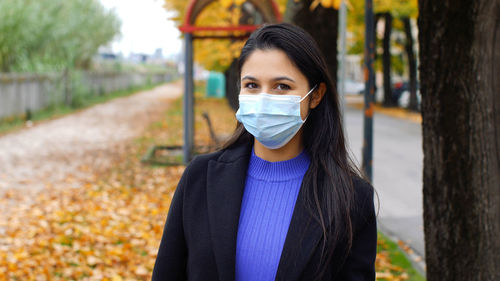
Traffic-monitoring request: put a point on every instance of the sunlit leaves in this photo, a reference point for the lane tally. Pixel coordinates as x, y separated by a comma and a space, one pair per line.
215, 54
228, 3
356, 19
106, 229
326, 4
398, 8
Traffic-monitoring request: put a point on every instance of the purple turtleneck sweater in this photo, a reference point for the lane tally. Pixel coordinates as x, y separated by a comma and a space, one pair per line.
269, 198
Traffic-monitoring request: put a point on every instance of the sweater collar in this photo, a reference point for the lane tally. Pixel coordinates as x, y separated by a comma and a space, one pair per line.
278, 171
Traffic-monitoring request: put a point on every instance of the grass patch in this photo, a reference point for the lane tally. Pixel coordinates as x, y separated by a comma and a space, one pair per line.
10, 124
392, 263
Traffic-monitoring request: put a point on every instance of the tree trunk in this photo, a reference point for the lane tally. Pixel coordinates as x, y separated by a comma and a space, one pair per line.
386, 61
412, 64
322, 24
460, 86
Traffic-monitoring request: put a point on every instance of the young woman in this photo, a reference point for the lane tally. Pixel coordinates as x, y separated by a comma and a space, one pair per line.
281, 200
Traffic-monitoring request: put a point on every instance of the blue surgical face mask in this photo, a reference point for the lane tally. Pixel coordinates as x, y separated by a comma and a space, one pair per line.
272, 119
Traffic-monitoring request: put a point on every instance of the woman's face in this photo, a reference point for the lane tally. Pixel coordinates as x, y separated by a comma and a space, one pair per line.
271, 71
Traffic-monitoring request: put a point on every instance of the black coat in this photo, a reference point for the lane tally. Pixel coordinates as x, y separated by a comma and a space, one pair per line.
199, 238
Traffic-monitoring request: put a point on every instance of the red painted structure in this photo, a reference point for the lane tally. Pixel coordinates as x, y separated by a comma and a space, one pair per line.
268, 8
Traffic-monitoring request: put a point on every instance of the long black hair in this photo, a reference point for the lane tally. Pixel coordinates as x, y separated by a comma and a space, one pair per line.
329, 179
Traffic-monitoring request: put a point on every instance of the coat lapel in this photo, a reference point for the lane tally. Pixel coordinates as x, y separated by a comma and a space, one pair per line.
303, 236
225, 184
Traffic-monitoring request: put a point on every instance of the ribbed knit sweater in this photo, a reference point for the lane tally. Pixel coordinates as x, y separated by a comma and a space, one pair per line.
269, 198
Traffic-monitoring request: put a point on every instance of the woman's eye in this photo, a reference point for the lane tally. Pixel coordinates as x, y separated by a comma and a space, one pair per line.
283, 87
250, 85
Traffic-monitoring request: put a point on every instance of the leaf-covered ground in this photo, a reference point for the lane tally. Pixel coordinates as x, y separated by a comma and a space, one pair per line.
110, 228
392, 264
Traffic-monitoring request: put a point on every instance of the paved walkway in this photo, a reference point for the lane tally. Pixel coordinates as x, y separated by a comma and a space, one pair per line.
70, 148
397, 173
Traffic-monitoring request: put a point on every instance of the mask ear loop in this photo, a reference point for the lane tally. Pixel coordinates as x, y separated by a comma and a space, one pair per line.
304, 98
308, 93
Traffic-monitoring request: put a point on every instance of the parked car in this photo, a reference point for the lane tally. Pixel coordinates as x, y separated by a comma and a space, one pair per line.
399, 88
401, 93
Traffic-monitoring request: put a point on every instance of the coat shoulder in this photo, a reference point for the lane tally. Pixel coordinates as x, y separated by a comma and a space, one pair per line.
362, 188
364, 207
200, 162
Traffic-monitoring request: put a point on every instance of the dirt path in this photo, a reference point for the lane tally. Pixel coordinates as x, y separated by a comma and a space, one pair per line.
70, 149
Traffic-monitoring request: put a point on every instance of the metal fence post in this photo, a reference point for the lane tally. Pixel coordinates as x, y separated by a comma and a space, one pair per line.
188, 102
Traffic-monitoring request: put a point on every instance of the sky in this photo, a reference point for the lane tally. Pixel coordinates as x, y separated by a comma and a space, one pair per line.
145, 27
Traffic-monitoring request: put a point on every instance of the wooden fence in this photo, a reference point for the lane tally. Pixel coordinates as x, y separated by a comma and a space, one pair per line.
20, 93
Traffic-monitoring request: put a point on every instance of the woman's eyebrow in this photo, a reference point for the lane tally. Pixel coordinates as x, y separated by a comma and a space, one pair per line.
249, 78
284, 78
274, 79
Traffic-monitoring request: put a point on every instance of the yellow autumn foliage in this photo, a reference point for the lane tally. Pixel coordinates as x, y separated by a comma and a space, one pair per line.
215, 54
326, 4
356, 19
398, 8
